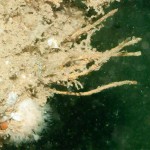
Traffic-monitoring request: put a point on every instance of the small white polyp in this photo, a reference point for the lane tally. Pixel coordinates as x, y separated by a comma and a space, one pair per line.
52, 43
7, 62
12, 98
16, 116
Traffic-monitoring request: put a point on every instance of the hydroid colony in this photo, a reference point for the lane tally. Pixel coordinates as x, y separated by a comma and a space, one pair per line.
42, 46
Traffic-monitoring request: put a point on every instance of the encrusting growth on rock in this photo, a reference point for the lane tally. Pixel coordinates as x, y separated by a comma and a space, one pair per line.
46, 43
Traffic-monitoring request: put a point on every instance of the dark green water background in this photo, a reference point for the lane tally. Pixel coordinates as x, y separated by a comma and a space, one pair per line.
118, 118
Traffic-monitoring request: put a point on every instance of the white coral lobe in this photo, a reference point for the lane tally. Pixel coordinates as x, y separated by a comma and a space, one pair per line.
27, 122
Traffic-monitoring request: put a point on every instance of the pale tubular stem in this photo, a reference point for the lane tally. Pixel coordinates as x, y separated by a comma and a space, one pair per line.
97, 90
94, 67
91, 26
124, 44
127, 54
106, 56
